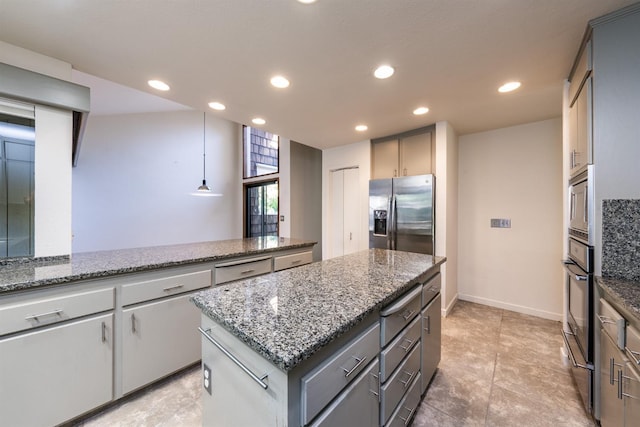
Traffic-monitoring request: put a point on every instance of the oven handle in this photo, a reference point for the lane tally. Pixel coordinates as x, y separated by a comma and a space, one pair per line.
573, 269
571, 356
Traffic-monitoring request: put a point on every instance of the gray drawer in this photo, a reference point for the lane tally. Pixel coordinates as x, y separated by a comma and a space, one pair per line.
431, 288
46, 311
407, 406
612, 322
237, 270
165, 286
393, 390
399, 314
293, 260
323, 383
391, 356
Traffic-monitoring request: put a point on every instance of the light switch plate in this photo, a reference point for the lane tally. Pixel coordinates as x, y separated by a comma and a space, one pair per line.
500, 223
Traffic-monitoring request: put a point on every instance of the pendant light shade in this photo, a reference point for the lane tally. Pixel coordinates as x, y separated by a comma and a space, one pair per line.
204, 189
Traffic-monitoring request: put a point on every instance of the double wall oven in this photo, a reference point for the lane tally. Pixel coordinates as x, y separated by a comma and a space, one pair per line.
579, 287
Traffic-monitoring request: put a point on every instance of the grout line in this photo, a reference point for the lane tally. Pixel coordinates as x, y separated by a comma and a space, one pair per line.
495, 364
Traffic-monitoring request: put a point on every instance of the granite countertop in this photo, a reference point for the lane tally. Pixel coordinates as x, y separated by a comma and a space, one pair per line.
624, 293
289, 315
90, 265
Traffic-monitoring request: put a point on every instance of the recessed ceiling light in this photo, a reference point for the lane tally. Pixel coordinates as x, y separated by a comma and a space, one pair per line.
307, 1
361, 128
157, 84
384, 72
279, 81
217, 106
258, 121
508, 87
420, 110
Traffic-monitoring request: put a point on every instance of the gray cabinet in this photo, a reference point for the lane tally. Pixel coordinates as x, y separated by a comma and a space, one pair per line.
431, 340
405, 155
580, 131
612, 363
56, 373
158, 338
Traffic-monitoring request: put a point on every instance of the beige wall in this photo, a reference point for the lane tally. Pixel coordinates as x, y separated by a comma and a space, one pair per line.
513, 173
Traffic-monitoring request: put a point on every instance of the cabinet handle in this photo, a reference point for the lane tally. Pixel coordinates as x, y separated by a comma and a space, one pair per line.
298, 261
408, 381
57, 312
360, 362
374, 392
241, 365
634, 355
408, 315
350, 236
395, 173
171, 288
603, 320
406, 420
620, 384
428, 328
573, 159
611, 364
408, 345
247, 271
405, 171
133, 323
104, 332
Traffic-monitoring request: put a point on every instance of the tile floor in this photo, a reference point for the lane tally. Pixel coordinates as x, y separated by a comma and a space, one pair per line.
498, 368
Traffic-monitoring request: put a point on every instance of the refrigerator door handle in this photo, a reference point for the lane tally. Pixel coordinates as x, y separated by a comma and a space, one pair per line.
394, 230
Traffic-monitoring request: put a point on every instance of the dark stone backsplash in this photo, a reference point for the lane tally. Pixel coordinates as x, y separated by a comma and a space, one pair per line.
621, 239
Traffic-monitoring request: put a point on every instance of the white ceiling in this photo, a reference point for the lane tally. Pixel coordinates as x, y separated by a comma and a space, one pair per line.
449, 55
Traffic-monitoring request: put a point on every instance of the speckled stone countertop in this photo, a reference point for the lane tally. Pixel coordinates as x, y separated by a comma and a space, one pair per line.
621, 239
624, 293
289, 315
90, 265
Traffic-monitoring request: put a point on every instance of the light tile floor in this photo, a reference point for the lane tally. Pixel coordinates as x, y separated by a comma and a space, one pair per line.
498, 368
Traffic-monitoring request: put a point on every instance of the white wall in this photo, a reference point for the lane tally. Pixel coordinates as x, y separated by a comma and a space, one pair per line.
52, 157
132, 184
514, 173
358, 154
446, 217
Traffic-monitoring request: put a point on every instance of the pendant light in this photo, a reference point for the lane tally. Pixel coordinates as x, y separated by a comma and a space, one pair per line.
204, 189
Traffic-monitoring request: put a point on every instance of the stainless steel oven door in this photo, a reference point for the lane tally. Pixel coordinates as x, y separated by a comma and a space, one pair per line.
580, 308
578, 207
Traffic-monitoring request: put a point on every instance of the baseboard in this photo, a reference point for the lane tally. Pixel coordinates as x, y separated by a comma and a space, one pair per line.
446, 310
512, 307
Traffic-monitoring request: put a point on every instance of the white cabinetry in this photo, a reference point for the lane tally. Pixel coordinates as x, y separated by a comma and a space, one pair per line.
344, 212
402, 156
49, 374
580, 113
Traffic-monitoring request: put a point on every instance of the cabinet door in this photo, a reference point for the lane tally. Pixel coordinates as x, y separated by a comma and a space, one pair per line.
431, 340
385, 159
158, 339
611, 406
415, 155
52, 375
357, 405
581, 152
351, 210
631, 396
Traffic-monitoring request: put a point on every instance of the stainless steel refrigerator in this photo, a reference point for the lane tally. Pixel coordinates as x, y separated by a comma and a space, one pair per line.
401, 213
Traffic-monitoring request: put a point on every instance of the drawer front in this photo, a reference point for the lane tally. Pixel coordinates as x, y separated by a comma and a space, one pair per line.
408, 406
632, 346
165, 286
393, 390
322, 384
357, 405
391, 357
612, 323
242, 269
431, 288
293, 260
46, 311
399, 314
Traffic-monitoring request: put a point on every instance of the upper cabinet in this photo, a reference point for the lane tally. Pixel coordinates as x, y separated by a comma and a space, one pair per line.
580, 112
404, 154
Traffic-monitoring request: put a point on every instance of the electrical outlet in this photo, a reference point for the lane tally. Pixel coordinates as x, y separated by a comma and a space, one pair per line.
206, 378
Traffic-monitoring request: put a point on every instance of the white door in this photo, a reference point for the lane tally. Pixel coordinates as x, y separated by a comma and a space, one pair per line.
344, 220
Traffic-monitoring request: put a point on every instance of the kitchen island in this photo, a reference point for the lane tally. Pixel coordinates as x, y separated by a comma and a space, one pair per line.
98, 326
291, 347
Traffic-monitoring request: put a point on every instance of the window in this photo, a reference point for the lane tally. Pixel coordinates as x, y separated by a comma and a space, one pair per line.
17, 146
260, 152
261, 207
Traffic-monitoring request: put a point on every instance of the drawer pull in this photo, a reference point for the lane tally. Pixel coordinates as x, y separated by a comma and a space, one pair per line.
104, 332
298, 261
408, 346
428, 328
604, 320
374, 392
411, 411
359, 362
241, 365
635, 355
408, 381
620, 384
133, 323
171, 288
247, 271
50, 313
408, 315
